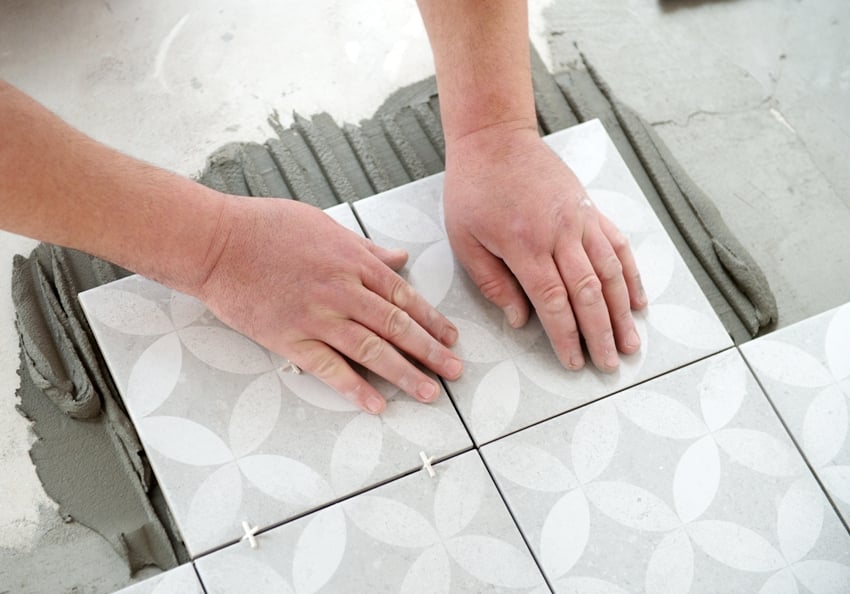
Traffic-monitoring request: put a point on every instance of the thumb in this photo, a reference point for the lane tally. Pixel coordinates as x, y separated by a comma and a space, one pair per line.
496, 282
395, 258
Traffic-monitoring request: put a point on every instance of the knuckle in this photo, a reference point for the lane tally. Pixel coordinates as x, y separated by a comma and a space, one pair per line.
492, 288
554, 298
397, 323
369, 349
401, 293
619, 242
324, 363
611, 269
589, 290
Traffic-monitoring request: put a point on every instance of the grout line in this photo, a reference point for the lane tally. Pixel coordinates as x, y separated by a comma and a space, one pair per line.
198, 575
794, 440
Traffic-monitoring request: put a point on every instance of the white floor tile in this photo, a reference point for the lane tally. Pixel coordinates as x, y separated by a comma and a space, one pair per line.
180, 580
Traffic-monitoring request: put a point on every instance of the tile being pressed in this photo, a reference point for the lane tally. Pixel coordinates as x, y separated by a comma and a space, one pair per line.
688, 483
180, 580
450, 533
805, 370
233, 437
512, 377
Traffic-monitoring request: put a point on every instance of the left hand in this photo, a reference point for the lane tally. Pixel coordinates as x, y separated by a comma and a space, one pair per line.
522, 225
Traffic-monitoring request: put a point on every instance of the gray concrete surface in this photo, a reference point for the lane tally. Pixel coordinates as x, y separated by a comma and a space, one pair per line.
753, 96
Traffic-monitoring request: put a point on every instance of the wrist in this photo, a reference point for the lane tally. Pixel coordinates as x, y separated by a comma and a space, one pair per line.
493, 144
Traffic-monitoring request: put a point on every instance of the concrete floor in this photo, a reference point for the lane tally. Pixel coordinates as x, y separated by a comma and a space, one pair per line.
753, 96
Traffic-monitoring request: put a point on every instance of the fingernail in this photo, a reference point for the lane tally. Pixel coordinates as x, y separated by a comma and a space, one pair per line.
576, 361
633, 341
642, 295
427, 391
450, 336
454, 367
374, 404
612, 361
512, 315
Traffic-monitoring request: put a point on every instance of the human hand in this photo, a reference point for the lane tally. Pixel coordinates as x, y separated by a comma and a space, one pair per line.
521, 223
298, 283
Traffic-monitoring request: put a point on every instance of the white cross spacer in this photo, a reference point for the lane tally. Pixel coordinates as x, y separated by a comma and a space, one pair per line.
250, 534
426, 464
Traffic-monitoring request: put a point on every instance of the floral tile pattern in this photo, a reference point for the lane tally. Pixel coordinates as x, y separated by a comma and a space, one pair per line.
450, 533
180, 580
805, 370
512, 377
230, 435
688, 483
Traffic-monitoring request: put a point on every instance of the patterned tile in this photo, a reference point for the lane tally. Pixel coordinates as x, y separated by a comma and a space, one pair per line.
512, 377
688, 483
229, 435
180, 580
805, 370
451, 533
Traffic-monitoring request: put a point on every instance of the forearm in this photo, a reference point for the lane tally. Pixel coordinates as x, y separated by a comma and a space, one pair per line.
60, 186
481, 55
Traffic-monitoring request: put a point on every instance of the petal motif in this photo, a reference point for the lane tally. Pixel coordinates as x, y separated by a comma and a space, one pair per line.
632, 506
240, 572
660, 414
180, 580
185, 309
391, 522
688, 327
154, 375
787, 364
495, 401
126, 312
183, 440
799, 519
625, 212
356, 453
586, 585
837, 343
696, 479
478, 344
314, 392
781, 582
255, 414
431, 573
432, 272
760, 451
319, 550
285, 479
426, 426
459, 493
722, 390
837, 481
403, 222
585, 153
565, 533
214, 507
529, 466
825, 426
656, 262
494, 561
736, 546
595, 440
671, 568
226, 349
823, 576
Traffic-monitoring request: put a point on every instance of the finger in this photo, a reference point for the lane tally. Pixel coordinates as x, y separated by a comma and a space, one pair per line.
398, 328
495, 281
545, 288
609, 271
373, 352
327, 365
394, 258
591, 312
637, 296
397, 291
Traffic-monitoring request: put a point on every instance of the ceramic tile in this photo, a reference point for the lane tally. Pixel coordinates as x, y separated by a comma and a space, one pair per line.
180, 580
450, 533
687, 483
231, 436
512, 377
805, 370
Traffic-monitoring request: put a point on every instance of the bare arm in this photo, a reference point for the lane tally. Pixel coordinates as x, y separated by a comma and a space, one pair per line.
279, 271
517, 217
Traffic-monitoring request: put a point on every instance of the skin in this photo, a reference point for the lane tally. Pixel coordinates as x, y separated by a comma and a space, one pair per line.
517, 218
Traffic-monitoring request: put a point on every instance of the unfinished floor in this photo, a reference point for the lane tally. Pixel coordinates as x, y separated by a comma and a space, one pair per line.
753, 96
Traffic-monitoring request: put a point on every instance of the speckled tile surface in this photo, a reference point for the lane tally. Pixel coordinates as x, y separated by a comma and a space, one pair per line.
229, 435
180, 580
512, 377
687, 483
450, 533
805, 370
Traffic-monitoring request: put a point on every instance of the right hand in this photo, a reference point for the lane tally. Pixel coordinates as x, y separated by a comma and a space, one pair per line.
292, 279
